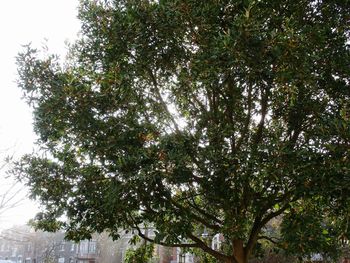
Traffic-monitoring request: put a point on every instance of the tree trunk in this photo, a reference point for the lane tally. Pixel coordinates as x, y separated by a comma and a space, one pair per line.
239, 252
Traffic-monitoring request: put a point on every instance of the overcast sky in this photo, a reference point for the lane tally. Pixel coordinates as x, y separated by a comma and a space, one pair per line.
50, 22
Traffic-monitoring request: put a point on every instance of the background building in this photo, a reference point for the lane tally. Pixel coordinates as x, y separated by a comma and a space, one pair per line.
24, 245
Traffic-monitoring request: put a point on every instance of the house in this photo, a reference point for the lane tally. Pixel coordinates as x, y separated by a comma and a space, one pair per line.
24, 245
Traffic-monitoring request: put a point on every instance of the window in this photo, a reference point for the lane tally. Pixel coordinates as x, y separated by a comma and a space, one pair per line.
14, 252
92, 247
29, 248
182, 258
87, 246
83, 247
216, 242
61, 260
62, 246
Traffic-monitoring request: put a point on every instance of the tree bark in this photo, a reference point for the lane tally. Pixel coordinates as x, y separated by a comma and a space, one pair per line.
238, 251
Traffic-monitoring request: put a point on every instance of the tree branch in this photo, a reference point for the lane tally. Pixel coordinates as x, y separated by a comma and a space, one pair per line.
264, 104
253, 235
134, 225
260, 222
274, 214
269, 239
201, 244
247, 121
205, 213
196, 217
143, 236
160, 98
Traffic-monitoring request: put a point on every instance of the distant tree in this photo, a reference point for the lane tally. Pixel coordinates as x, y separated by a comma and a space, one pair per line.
111, 251
22, 240
11, 192
193, 117
10, 196
45, 246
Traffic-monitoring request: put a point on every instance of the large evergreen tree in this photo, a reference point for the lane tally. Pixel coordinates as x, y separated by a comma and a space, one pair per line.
194, 117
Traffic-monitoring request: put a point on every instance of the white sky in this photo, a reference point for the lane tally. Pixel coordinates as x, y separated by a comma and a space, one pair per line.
22, 22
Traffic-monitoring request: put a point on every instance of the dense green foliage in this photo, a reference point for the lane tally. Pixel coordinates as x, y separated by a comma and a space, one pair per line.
195, 115
141, 254
315, 230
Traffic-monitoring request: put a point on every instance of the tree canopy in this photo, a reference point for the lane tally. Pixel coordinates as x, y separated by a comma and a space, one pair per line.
195, 117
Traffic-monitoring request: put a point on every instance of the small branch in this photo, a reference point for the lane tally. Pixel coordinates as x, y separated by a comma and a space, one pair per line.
196, 217
160, 98
264, 103
274, 214
247, 121
198, 209
203, 109
269, 239
9, 200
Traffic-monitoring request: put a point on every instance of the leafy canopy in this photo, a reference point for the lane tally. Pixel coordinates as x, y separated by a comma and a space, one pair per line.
193, 117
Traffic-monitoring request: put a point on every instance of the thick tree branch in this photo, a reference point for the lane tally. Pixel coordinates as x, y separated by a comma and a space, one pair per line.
201, 244
134, 225
260, 222
274, 214
183, 245
253, 235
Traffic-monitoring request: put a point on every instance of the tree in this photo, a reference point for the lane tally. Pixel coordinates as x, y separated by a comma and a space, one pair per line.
110, 251
10, 190
22, 242
192, 117
10, 196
